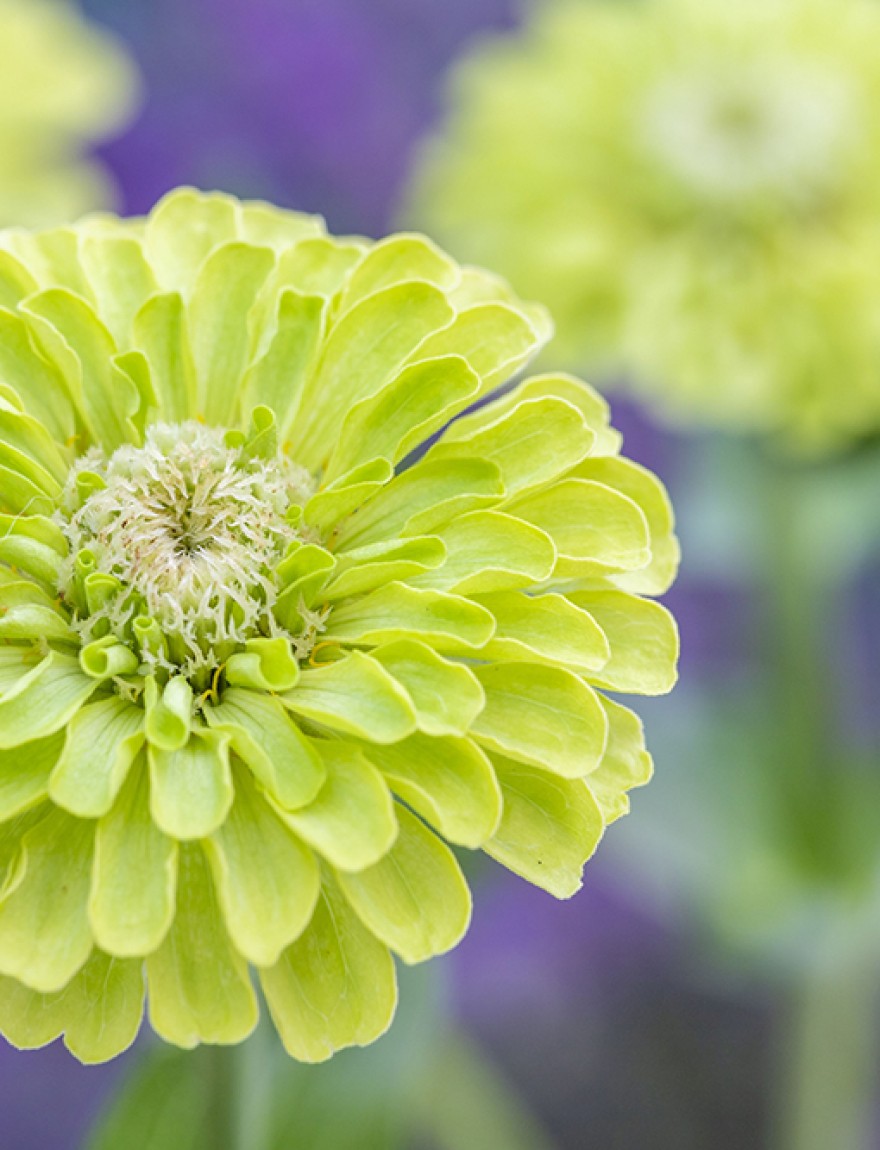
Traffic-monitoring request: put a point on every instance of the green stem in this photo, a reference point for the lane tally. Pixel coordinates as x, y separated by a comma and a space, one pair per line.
828, 1057
830, 1053
220, 1078
257, 1080
797, 633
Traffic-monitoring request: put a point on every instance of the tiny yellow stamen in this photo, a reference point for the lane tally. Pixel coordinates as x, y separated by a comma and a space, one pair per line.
313, 662
213, 692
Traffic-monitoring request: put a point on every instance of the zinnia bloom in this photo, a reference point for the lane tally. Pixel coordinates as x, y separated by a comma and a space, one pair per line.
692, 187
64, 84
256, 663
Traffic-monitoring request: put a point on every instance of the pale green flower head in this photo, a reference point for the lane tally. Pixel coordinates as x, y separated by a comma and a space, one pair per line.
260, 659
693, 187
64, 85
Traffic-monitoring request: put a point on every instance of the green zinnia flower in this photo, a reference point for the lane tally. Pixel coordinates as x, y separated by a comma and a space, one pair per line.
691, 185
252, 657
64, 84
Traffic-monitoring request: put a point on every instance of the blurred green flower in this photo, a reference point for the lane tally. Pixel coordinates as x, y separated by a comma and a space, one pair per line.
64, 84
244, 653
692, 187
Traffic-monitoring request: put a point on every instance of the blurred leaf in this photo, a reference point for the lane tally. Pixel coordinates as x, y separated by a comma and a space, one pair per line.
721, 498
463, 1103
838, 520
422, 1081
360, 1099
161, 1106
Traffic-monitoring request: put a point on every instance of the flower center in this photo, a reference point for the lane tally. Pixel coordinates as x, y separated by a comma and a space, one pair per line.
777, 128
185, 532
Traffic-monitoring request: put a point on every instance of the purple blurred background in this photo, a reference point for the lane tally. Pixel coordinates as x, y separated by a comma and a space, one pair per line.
612, 1014
313, 104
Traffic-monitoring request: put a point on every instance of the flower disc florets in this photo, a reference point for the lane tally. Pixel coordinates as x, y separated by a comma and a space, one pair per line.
699, 207
284, 609
182, 536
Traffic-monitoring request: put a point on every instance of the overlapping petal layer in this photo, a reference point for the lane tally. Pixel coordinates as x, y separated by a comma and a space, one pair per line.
257, 659
691, 186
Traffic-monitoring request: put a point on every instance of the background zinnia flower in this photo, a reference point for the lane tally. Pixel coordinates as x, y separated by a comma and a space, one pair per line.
64, 85
252, 656
691, 186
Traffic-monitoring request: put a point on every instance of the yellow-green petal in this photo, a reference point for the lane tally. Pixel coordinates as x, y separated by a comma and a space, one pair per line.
404, 413
30, 437
541, 715
415, 899
15, 664
32, 544
495, 338
550, 826
99, 1011
36, 382
265, 664
421, 499
182, 230
120, 279
597, 531
169, 714
20, 494
24, 774
107, 658
132, 899
625, 764
593, 408
262, 735
109, 997
44, 700
317, 265
447, 696
448, 781
490, 551
346, 494
363, 351
34, 621
102, 741
191, 788
267, 882
161, 332
643, 640
396, 259
444, 621
352, 821
72, 336
355, 695
531, 444
649, 493
277, 378
544, 629
44, 929
368, 568
199, 989
225, 291
335, 987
